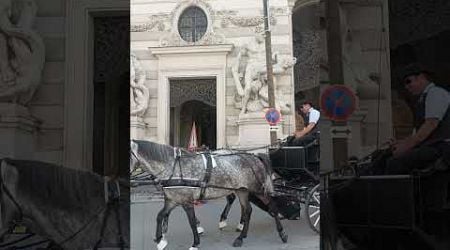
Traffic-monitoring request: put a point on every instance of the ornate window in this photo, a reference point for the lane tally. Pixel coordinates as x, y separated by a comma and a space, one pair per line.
192, 24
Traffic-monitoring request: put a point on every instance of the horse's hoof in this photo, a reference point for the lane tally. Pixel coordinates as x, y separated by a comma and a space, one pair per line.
237, 242
162, 244
193, 248
200, 230
222, 224
240, 227
283, 237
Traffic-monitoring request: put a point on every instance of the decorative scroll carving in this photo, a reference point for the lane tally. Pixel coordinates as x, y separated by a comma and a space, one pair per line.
256, 21
160, 22
22, 52
173, 39
139, 93
249, 74
201, 90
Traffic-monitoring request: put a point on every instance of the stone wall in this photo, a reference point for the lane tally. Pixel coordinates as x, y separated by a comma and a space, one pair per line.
48, 102
233, 22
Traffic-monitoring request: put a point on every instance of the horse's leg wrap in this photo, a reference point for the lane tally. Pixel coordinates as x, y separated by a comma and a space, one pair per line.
162, 244
240, 227
222, 224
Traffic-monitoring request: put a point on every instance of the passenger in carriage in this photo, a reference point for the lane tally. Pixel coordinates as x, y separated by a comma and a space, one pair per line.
432, 124
310, 131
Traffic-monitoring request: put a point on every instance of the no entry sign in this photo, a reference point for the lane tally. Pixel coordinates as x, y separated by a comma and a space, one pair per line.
338, 102
273, 116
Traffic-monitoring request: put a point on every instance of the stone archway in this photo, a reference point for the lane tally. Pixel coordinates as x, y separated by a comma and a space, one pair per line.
204, 116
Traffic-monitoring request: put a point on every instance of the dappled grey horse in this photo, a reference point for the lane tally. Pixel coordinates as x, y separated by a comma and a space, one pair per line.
67, 207
187, 177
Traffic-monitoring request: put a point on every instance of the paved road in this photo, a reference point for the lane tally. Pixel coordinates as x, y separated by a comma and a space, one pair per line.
262, 233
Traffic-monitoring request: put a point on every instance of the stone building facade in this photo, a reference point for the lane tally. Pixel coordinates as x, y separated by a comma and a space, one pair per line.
214, 70
173, 78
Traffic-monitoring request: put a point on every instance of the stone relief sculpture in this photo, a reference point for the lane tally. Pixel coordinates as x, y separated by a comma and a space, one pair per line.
22, 51
249, 74
139, 93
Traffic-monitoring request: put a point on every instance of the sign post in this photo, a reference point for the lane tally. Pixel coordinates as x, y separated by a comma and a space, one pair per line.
268, 45
273, 117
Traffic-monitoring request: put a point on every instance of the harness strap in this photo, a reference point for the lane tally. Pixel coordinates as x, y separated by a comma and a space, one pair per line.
204, 183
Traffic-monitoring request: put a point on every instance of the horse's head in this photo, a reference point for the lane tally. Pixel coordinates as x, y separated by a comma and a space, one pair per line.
153, 157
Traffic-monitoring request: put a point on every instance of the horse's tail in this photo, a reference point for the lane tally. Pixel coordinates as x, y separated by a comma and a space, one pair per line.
268, 184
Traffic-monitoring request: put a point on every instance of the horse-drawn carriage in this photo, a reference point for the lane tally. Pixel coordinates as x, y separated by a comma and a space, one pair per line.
366, 211
187, 177
298, 181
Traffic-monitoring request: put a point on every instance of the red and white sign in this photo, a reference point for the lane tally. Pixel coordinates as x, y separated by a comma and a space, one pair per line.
273, 116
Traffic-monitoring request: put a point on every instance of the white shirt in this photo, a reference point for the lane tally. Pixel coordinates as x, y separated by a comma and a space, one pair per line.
314, 115
437, 101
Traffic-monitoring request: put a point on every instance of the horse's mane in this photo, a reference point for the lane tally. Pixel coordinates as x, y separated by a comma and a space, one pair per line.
58, 187
158, 152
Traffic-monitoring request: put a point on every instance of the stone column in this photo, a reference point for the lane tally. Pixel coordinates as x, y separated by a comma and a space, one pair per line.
17, 130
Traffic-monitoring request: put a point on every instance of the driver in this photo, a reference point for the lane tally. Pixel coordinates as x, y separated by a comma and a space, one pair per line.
310, 131
432, 124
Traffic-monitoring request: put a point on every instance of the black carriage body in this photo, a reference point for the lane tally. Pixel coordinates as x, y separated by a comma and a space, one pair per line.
293, 162
413, 205
298, 170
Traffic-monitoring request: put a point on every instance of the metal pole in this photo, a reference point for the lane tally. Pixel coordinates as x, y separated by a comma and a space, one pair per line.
268, 45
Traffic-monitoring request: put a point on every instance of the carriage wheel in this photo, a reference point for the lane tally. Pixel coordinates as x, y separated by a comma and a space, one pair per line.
312, 210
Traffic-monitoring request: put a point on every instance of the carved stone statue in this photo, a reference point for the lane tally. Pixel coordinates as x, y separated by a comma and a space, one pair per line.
139, 93
249, 74
22, 52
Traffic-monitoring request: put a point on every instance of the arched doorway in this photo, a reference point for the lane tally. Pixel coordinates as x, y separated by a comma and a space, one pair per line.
193, 100
204, 116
